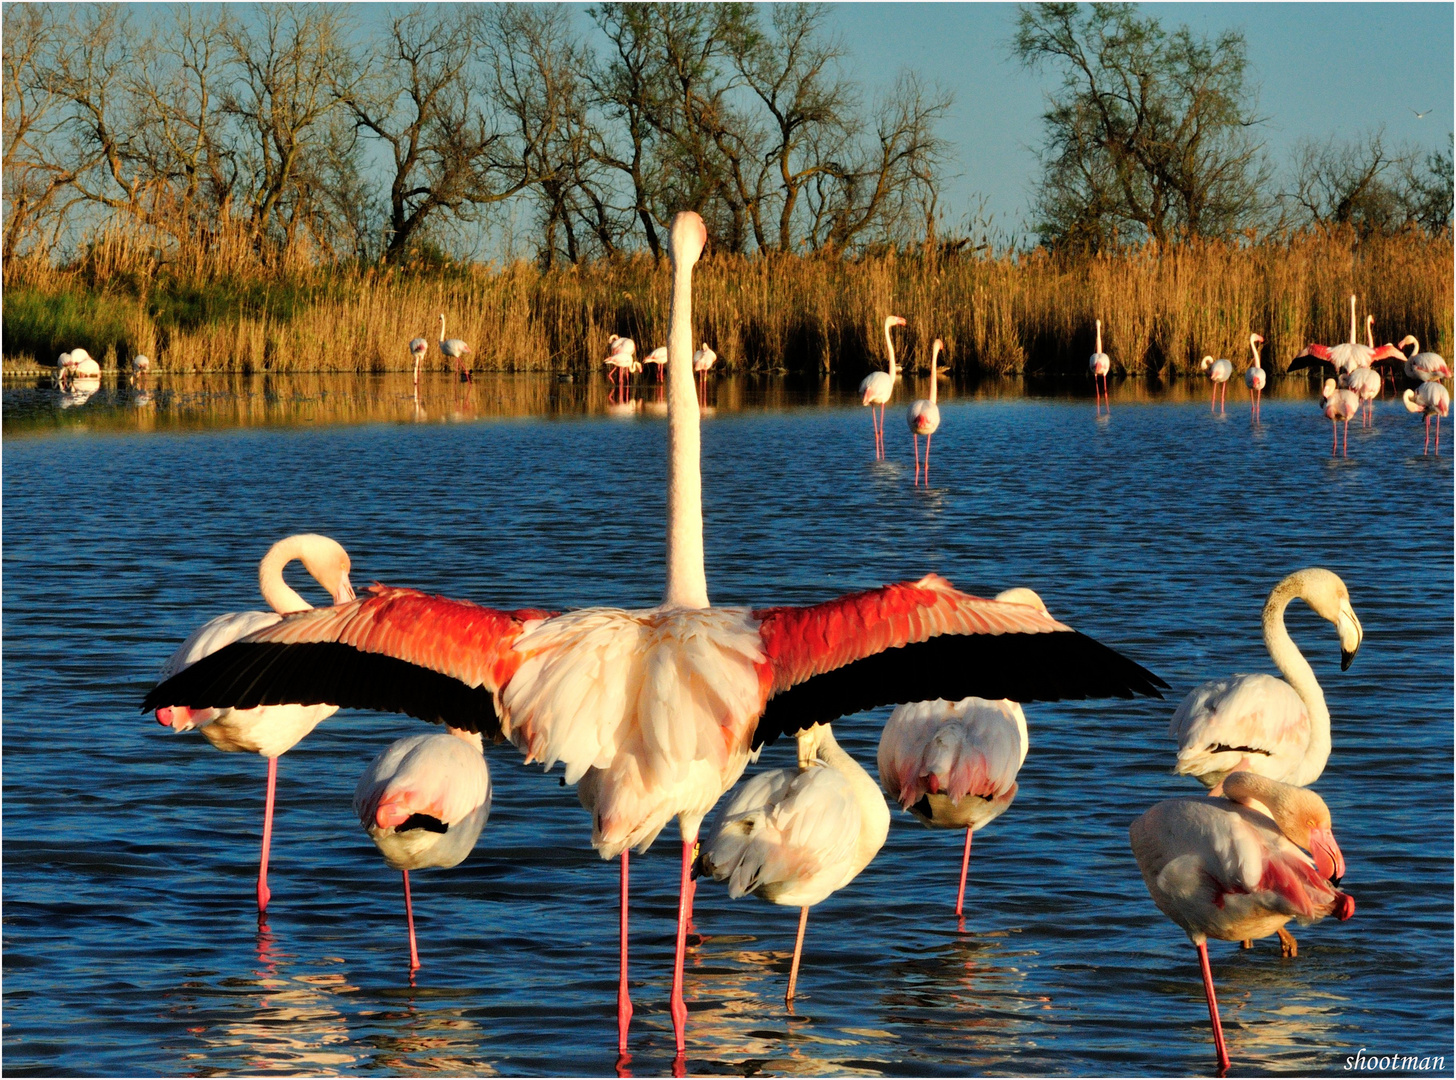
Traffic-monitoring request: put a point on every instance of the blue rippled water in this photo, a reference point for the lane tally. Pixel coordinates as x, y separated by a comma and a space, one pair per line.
130, 937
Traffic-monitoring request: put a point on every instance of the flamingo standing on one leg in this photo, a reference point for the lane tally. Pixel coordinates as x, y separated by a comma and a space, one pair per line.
793, 836
1255, 378
1339, 405
1219, 373
455, 349
923, 416
1099, 364
656, 712
879, 386
269, 730
1233, 868
418, 347
1433, 399
954, 764
423, 801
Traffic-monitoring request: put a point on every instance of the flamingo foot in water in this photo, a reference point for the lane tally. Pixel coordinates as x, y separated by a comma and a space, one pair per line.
676, 1005
624, 996
798, 952
1288, 947
965, 865
409, 914
1218, 1043
264, 893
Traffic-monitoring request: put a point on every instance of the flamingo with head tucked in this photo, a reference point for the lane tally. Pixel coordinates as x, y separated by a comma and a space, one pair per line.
418, 347
1099, 364
423, 801
1339, 405
923, 416
953, 765
270, 730
455, 349
879, 386
655, 713
794, 836
1254, 377
1219, 374
1432, 399
1232, 868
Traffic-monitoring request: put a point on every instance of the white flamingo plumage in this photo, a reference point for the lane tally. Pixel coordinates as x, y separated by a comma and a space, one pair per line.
423, 801
923, 416
1423, 366
1232, 868
1348, 355
1365, 383
1279, 728
656, 712
794, 836
1099, 364
455, 349
418, 347
141, 364
703, 361
1254, 377
1432, 399
1219, 374
1339, 405
622, 359
878, 387
268, 730
657, 357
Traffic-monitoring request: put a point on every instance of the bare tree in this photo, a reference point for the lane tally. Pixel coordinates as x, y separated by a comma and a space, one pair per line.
1149, 135
1368, 184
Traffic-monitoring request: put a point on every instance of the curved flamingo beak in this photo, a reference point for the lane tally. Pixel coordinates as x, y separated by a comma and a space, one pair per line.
165, 713
1344, 906
346, 591
1327, 858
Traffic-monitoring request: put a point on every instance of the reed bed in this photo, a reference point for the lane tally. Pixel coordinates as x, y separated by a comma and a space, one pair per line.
222, 308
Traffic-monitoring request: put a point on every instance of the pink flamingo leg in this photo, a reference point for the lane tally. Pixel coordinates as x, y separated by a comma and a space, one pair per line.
798, 952
1334, 437
927, 457
1223, 1058
409, 914
263, 892
916, 439
965, 865
624, 996
1213, 399
676, 1005
1438, 434
1346, 445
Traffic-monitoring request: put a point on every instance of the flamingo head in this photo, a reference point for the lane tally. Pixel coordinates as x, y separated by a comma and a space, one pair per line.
1256, 339
1023, 596
687, 236
1205, 363
1411, 340
1326, 853
894, 320
181, 718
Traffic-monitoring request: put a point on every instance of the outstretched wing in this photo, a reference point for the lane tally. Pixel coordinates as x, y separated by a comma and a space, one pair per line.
920, 640
395, 650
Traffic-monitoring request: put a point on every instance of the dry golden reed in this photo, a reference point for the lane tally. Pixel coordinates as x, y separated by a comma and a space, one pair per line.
217, 306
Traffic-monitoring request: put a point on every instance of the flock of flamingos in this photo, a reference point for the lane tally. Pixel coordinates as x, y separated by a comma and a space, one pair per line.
655, 714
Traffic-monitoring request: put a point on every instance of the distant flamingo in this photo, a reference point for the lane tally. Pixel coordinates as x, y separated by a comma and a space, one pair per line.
879, 386
1232, 868
622, 358
418, 348
423, 801
954, 764
703, 361
1424, 366
1276, 728
273, 729
1099, 364
1219, 373
1365, 383
657, 356
793, 836
455, 349
656, 712
140, 365
1254, 377
1339, 405
924, 416
1434, 400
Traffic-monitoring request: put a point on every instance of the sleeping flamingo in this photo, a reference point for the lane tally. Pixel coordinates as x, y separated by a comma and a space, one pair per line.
423, 801
1432, 399
1232, 868
1219, 373
418, 347
879, 386
924, 416
1254, 377
1339, 405
954, 764
275, 728
1099, 364
455, 349
656, 712
1276, 728
793, 836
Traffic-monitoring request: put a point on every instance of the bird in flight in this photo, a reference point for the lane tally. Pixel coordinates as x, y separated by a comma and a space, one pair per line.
1418, 114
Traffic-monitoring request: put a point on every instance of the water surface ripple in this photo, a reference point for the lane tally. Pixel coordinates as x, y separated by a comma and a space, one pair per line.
130, 939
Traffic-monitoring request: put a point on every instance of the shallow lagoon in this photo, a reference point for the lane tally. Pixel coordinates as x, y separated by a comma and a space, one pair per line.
131, 942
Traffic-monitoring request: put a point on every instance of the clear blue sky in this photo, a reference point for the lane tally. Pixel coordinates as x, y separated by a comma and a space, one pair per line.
1321, 70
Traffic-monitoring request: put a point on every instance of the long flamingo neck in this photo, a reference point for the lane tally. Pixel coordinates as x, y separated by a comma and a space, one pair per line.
1099, 336
1254, 348
687, 580
934, 356
279, 595
1295, 668
1370, 330
890, 349
442, 328
1352, 321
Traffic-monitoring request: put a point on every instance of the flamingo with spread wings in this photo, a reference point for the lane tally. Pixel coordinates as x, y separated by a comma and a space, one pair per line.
656, 712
